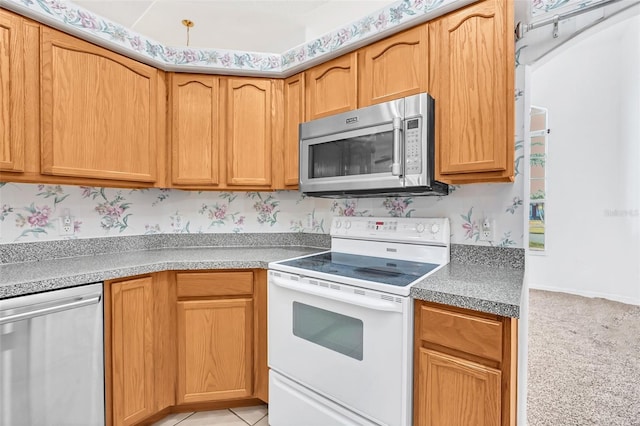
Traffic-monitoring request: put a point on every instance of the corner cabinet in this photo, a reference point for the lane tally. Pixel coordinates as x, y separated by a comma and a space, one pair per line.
464, 367
101, 113
472, 80
12, 111
332, 87
195, 130
394, 67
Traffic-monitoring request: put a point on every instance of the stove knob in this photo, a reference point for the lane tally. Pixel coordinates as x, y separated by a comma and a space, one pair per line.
347, 224
420, 228
338, 224
435, 228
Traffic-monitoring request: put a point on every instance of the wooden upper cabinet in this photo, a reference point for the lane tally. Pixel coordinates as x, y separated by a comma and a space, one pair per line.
195, 140
293, 116
215, 349
99, 112
249, 139
331, 87
132, 355
394, 67
457, 391
12, 146
472, 81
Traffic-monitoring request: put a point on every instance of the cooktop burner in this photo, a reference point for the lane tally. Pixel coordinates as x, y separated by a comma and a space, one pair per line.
394, 272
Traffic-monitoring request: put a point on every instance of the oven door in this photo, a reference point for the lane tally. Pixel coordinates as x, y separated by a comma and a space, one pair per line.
350, 345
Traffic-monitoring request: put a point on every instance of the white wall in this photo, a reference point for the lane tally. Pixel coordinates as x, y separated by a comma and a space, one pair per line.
591, 87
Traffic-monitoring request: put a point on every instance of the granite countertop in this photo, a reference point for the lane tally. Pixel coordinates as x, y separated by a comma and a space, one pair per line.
478, 287
32, 277
486, 279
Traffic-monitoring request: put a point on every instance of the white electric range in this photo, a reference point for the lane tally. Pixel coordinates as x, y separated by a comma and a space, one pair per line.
341, 323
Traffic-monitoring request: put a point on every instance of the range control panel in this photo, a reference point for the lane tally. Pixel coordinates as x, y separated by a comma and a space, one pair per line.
399, 229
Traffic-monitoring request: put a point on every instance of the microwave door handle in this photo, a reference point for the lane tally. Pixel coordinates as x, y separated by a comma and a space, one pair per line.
397, 135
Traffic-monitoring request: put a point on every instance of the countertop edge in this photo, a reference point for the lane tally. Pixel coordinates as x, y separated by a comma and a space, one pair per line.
473, 303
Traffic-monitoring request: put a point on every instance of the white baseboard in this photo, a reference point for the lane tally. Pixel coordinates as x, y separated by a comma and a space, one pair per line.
609, 296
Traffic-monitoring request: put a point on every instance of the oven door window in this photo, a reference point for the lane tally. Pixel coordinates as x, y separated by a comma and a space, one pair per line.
337, 332
359, 155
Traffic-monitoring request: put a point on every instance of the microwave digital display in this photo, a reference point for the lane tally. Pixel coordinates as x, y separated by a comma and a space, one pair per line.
413, 124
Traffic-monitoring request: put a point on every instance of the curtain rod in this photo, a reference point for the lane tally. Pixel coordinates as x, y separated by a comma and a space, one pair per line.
521, 28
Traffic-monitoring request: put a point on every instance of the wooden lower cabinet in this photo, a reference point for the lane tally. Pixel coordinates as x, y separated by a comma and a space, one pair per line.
215, 349
464, 367
132, 357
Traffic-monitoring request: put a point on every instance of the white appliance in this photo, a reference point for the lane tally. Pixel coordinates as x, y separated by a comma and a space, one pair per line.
341, 323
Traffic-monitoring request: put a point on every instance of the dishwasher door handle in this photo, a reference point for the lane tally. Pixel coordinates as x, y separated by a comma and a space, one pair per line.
51, 309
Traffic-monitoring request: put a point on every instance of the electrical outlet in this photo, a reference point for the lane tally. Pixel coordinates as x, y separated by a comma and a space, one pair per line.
65, 228
487, 229
309, 220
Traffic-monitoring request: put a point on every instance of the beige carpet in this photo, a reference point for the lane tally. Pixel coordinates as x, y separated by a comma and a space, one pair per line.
584, 361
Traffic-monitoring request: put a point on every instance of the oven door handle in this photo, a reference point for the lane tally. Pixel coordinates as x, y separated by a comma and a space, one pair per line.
339, 296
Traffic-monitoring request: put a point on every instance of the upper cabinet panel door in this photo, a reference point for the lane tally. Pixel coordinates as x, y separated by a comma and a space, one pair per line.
11, 93
472, 58
249, 139
331, 87
394, 67
294, 115
195, 142
99, 112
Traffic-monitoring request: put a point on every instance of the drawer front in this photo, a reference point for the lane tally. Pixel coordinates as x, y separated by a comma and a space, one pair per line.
467, 333
203, 284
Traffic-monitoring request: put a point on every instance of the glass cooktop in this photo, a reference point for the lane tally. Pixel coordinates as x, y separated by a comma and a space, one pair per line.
399, 273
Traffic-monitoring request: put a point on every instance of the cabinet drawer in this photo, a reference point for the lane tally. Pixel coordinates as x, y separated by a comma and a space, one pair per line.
467, 333
202, 284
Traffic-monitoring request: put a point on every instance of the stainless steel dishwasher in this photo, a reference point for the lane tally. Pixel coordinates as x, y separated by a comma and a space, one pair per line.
51, 358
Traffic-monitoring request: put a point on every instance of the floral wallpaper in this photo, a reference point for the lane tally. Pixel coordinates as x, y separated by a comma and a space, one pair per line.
33, 212
555, 7
67, 14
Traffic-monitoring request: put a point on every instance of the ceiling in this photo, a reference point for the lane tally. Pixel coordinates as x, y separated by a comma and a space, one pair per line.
256, 25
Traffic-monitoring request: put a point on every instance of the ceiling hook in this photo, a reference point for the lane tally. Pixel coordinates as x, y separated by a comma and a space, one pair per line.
556, 19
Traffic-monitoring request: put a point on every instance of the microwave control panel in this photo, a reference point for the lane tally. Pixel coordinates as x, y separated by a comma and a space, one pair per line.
413, 146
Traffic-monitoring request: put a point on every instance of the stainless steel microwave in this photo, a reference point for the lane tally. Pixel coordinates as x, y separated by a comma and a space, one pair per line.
381, 150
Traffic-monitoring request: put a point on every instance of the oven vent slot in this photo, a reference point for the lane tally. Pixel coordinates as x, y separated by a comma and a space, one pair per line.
314, 282
321, 284
360, 292
294, 278
275, 274
335, 287
386, 297
398, 300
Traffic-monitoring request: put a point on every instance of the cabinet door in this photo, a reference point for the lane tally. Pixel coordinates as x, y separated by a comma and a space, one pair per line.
99, 112
294, 115
195, 142
331, 87
215, 350
456, 392
394, 67
249, 138
472, 76
11, 93
132, 350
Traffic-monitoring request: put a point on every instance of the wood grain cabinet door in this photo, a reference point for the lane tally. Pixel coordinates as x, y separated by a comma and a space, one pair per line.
457, 392
394, 67
195, 141
132, 350
471, 79
12, 118
249, 138
294, 115
331, 87
99, 112
215, 350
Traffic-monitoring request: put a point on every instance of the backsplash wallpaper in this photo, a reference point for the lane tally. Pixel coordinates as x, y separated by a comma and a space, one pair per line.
33, 212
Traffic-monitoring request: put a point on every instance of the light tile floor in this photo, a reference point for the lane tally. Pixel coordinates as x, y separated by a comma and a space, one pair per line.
241, 416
